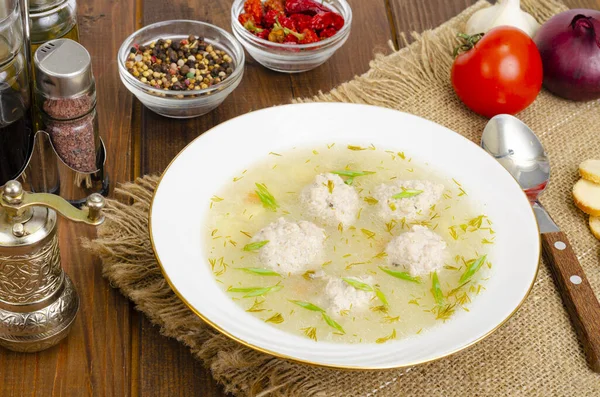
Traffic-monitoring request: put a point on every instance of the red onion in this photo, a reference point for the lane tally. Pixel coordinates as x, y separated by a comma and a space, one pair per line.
569, 44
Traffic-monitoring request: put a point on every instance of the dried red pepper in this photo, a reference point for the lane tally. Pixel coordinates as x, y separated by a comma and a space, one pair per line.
310, 36
326, 33
287, 23
254, 8
271, 17
327, 20
304, 7
275, 5
243, 18
302, 21
290, 21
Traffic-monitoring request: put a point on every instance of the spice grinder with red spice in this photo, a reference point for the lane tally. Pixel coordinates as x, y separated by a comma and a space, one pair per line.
65, 99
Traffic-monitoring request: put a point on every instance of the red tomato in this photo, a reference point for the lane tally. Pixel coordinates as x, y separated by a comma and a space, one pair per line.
502, 73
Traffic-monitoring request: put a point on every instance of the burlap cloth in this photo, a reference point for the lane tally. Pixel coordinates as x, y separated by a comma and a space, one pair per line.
535, 354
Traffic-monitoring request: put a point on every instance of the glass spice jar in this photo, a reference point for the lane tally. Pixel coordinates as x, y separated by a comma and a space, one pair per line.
52, 19
65, 94
16, 137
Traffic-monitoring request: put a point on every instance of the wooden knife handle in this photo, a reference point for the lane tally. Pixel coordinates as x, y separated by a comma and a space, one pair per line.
576, 292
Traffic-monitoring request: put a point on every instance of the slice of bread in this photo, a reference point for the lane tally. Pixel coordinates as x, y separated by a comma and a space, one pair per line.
587, 197
590, 170
595, 226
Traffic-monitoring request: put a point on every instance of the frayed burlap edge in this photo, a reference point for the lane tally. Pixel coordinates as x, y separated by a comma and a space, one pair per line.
398, 80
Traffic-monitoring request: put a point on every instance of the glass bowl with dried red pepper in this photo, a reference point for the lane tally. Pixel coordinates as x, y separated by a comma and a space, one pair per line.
291, 35
181, 68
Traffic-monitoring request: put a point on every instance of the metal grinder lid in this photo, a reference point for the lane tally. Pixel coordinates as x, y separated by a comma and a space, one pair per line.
63, 68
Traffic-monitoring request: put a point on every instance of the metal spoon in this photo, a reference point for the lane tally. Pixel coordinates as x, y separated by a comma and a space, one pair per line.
517, 148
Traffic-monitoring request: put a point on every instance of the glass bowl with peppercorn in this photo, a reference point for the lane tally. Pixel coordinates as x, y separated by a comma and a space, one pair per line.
291, 36
181, 69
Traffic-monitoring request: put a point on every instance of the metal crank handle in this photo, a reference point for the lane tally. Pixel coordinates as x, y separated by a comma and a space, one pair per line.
14, 201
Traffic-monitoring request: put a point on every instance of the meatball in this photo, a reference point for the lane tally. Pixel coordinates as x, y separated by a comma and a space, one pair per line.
330, 200
342, 296
419, 251
411, 208
293, 247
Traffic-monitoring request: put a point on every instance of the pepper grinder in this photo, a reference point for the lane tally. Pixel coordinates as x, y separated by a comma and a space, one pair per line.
38, 302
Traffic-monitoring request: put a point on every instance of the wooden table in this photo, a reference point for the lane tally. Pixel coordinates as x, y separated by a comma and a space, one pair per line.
112, 349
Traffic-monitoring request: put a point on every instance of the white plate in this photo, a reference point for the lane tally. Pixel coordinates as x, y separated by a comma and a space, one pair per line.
182, 200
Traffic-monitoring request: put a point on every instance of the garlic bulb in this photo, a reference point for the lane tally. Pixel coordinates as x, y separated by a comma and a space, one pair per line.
504, 12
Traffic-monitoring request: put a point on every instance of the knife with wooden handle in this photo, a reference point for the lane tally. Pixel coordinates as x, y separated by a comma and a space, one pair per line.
576, 291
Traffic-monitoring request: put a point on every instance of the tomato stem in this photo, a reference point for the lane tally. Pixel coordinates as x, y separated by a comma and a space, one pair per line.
469, 42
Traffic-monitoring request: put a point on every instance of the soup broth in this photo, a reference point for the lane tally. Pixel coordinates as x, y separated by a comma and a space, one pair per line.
399, 307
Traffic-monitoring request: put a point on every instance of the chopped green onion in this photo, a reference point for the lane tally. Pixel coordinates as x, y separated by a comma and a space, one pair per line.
436, 289
308, 306
332, 323
314, 308
259, 271
267, 198
351, 175
473, 267
381, 296
256, 291
401, 275
358, 284
407, 193
255, 246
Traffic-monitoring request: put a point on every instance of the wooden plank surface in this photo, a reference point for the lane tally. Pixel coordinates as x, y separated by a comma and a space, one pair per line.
112, 350
96, 357
260, 88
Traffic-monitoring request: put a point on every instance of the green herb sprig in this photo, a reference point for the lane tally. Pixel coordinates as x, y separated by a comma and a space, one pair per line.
407, 193
436, 289
401, 275
258, 271
266, 197
256, 245
351, 175
256, 291
309, 306
472, 268
359, 285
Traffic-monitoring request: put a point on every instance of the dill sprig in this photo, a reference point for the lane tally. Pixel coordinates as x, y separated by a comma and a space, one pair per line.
311, 332
387, 338
371, 200
308, 275
368, 233
256, 307
276, 318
